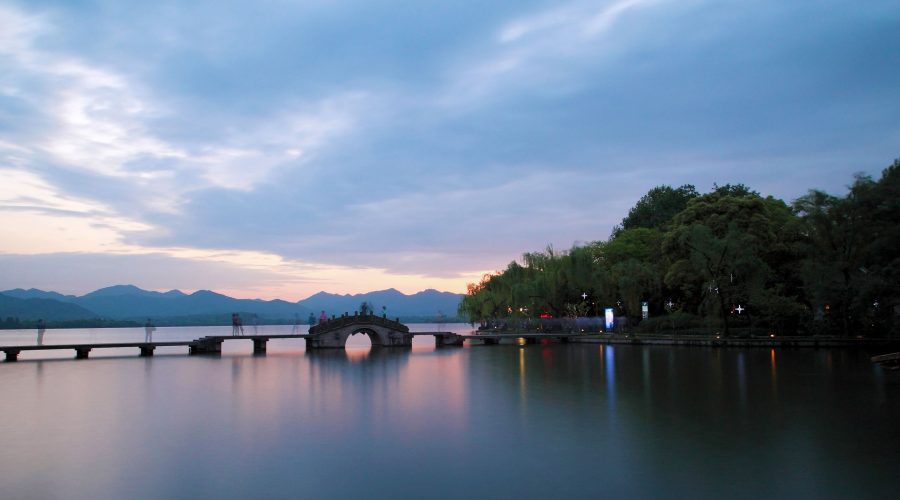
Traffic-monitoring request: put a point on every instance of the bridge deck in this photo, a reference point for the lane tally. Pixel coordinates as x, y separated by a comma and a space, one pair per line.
212, 343
49, 347
147, 348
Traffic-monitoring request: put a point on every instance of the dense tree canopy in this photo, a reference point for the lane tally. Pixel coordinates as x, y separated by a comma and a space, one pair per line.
657, 207
726, 259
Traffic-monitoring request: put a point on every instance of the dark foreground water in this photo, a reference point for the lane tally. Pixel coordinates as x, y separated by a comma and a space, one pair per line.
536, 421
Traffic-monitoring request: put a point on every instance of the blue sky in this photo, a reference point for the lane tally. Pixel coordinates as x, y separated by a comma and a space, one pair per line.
275, 149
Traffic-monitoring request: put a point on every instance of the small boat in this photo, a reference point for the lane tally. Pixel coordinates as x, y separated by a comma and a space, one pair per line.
888, 361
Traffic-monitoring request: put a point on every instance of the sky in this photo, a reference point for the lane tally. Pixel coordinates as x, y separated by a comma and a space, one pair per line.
274, 149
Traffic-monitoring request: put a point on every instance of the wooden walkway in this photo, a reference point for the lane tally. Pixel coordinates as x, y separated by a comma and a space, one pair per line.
210, 344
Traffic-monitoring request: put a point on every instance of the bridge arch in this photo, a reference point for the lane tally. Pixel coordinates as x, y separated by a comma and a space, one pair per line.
367, 332
382, 332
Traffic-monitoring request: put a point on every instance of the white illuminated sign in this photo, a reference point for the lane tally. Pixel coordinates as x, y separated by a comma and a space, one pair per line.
610, 319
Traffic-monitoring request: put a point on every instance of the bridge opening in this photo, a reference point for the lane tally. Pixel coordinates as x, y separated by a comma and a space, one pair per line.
361, 339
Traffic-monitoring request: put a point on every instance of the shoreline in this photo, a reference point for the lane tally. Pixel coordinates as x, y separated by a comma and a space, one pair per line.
711, 341
780, 342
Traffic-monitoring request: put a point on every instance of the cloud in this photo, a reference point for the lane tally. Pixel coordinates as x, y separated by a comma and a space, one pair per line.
544, 50
101, 121
324, 142
583, 19
26, 190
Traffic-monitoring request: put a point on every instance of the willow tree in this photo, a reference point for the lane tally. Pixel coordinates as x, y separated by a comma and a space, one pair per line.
632, 266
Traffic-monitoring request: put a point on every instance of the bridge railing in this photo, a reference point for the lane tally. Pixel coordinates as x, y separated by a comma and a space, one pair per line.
358, 319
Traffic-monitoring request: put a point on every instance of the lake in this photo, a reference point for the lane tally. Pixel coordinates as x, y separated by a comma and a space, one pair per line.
504, 421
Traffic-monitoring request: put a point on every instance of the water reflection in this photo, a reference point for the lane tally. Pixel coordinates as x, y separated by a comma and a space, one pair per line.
620, 421
774, 374
647, 380
742, 382
522, 377
610, 364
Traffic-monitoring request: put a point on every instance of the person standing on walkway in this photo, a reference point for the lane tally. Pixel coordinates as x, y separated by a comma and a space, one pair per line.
312, 319
148, 331
323, 318
41, 329
237, 326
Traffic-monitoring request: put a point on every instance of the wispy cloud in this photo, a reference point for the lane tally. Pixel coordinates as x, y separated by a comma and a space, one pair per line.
101, 121
542, 49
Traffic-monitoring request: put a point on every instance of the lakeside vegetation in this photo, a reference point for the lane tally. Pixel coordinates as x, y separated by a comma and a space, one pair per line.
729, 260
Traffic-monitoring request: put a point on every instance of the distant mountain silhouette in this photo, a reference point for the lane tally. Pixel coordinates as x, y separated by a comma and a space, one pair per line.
130, 302
126, 302
131, 290
34, 293
425, 303
30, 309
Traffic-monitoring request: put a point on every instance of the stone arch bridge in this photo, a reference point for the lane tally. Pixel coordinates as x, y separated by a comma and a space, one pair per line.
382, 332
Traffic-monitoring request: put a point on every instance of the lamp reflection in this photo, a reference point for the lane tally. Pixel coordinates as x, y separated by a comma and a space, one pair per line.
610, 362
774, 373
522, 374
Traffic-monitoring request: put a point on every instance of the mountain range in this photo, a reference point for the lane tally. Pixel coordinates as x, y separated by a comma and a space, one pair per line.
128, 302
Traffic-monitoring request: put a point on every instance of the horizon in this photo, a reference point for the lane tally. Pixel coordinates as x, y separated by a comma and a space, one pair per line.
275, 151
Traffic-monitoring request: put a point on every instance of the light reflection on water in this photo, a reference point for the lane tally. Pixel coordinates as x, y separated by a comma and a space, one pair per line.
502, 421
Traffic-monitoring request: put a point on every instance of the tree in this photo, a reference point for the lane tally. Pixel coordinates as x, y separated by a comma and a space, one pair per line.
725, 248
729, 246
657, 207
852, 262
633, 267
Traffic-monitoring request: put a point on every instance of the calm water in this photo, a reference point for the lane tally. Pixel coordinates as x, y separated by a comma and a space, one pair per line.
505, 421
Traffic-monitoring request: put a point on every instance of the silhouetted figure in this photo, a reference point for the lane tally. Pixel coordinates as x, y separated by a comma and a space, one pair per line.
312, 319
323, 318
364, 309
41, 327
255, 324
237, 326
148, 331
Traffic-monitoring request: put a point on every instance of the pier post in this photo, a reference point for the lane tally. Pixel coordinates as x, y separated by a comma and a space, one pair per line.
448, 339
207, 345
147, 350
82, 352
12, 355
259, 346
